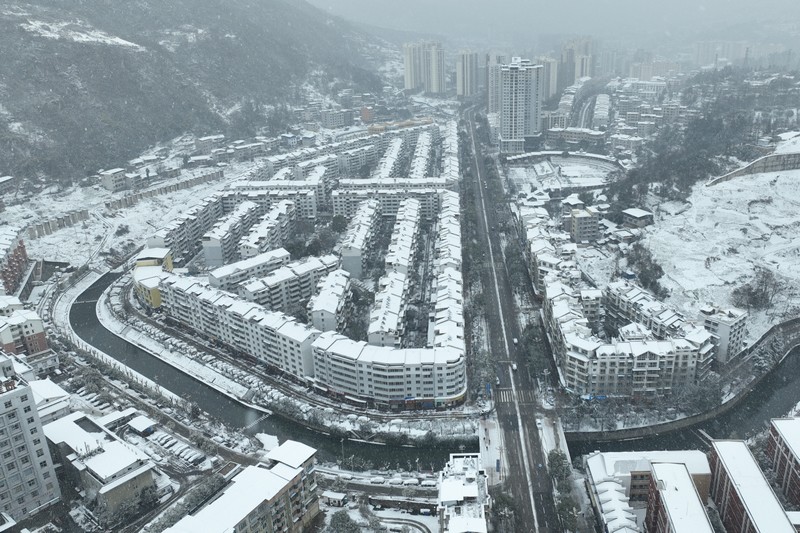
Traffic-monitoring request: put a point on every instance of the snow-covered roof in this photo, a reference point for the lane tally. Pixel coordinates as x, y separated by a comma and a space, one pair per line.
153, 253
755, 493
251, 487
292, 453
680, 499
141, 424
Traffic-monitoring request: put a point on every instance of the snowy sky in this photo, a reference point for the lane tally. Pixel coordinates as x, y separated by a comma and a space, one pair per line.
597, 17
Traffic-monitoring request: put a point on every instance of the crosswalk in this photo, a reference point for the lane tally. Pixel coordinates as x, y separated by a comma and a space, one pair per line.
507, 396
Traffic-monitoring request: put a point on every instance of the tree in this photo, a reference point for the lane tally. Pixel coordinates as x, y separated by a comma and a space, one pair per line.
338, 224
566, 512
342, 523
558, 466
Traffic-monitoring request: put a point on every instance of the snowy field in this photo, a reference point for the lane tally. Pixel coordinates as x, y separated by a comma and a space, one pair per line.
79, 244
568, 173
713, 243
790, 143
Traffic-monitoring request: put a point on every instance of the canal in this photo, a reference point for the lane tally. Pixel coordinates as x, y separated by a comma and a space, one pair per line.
773, 397
86, 324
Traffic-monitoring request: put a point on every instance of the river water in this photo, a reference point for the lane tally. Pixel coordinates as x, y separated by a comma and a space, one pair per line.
85, 323
773, 397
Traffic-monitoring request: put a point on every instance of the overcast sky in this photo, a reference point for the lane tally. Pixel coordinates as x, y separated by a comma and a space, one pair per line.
494, 18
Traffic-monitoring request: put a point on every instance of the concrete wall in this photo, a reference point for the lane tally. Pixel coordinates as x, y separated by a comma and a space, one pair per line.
133, 199
769, 163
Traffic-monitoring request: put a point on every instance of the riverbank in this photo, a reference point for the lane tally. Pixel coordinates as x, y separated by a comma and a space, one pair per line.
406, 429
786, 335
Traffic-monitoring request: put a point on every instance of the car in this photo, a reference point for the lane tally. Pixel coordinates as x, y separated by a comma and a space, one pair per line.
539, 424
514, 366
497, 381
515, 340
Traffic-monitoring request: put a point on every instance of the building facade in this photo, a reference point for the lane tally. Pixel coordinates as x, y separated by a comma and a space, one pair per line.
520, 103
467, 74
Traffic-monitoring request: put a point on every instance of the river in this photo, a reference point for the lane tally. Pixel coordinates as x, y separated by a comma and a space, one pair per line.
86, 324
773, 397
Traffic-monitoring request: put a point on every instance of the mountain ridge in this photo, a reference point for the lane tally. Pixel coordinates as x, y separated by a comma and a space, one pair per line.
91, 83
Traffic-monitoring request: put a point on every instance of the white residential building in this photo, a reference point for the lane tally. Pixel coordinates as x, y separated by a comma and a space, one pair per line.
271, 232
467, 73
387, 317
327, 309
229, 277
289, 285
274, 339
464, 501
183, 235
359, 240
405, 234
28, 481
728, 326
220, 244
520, 103
422, 156
424, 67
389, 377
112, 472
279, 496
390, 164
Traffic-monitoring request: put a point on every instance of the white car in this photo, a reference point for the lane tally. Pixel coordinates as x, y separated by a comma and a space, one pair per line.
515, 341
514, 366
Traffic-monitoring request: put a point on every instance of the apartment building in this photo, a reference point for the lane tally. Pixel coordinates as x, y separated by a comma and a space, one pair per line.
625, 302
387, 318
221, 243
602, 107
573, 136
741, 493
463, 503
783, 451
327, 310
274, 339
729, 327
28, 481
446, 318
21, 330
289, 285
207, 143
619, 483
467, 74
271, 231
112, 472
390, 196
359, 240
390, 164
229, 277
421, 159
405, 234
352, 162
280, 495
520, 103
336, 118
114, 179
674, 506
584, 225
386, 377
424, 67
183, 235
13, 259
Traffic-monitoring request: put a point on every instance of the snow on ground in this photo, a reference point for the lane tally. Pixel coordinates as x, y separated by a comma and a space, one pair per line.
75, 31
561, 173
77, 243
790, 143
268, 442
598, 264
726, 231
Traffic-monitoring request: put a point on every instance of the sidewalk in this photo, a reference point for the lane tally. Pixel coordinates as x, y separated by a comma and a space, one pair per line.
492, 448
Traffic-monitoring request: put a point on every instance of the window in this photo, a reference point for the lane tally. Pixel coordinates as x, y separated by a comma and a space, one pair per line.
43, 464
7, 405
39, 453
24, 398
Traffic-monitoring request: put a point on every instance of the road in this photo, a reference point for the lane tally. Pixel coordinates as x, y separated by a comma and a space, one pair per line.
587, 110
528, 482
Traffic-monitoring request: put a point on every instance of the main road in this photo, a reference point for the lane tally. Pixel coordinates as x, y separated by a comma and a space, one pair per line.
528, 482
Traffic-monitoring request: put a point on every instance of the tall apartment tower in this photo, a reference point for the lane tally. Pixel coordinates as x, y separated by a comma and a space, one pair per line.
467, 74
549, 76
27, 477
576, 61
424, 67
520, 103
493, 65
